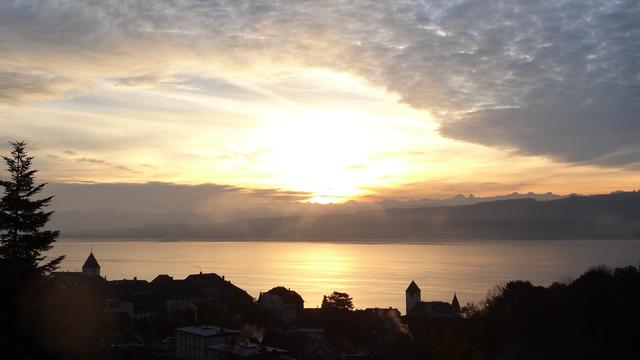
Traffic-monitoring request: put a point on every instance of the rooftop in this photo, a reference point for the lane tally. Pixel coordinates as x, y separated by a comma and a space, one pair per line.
288, 296
244, 350
162, 278
413, 287
433, 308
91, 262
177, 289
207, 330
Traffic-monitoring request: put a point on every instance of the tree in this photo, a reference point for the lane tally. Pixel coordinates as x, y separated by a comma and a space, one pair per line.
337, 300
23, 238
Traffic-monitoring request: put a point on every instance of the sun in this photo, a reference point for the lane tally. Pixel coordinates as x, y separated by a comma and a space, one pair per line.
339, 139
328, 153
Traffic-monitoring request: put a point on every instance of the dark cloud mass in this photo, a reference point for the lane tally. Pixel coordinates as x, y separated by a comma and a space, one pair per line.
557, 78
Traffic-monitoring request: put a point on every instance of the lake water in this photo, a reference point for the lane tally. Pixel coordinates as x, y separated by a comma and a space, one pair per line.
374, 274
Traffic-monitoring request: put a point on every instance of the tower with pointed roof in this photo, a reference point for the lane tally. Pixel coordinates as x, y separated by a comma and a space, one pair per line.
91, 266
455, 303
412, 295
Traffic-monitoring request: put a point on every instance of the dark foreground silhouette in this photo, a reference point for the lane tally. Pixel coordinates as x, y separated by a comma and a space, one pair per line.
595, 315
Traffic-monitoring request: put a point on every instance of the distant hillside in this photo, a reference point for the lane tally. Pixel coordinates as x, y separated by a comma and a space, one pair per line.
83, 207
579, 217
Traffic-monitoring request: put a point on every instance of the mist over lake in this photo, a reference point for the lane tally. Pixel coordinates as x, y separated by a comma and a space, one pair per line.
375, 274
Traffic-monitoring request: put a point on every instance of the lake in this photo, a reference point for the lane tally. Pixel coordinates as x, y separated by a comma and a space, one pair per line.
374, 274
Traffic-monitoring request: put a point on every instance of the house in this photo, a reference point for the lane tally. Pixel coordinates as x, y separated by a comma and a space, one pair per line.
244, 350
332, 347
178, 298
282, 304
192, 341
218, 290
381, 320
313, 343
415, 307
135, 298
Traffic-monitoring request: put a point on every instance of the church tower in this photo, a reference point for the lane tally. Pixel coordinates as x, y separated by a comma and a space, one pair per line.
455, 304
412, 295
91, 266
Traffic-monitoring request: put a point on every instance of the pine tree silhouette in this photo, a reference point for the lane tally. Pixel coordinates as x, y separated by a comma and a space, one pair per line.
23, 238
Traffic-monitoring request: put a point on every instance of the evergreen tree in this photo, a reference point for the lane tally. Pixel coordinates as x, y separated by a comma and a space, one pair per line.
23, 238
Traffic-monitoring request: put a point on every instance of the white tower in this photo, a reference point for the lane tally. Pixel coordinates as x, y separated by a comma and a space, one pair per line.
412, 295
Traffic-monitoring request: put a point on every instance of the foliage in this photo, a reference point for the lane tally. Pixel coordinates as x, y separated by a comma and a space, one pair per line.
597, 311
337, 300
23, 238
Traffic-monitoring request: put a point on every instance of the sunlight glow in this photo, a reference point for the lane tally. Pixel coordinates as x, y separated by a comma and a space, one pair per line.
327, 152
322, 262
330, 134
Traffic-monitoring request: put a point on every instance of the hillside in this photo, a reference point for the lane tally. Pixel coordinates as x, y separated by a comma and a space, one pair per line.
580, 217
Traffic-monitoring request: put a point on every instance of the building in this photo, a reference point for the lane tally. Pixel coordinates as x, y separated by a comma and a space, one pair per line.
192, 341
412, 296
88, 278
244, 350
178, 298
167, 299
417, 308
282, 304
135, 298
91, 266
381, 320
218, 290
332, 347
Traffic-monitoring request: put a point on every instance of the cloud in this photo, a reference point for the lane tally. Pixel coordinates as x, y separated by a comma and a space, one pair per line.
591, 125
140, 80
81, 206
559, 79
95, 161
91, 160
276, 195
169, 197
18, 87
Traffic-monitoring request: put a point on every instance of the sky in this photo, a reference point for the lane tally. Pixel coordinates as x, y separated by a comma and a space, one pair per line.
327, 100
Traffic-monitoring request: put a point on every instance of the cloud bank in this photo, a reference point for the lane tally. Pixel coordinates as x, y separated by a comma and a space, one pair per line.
559, 79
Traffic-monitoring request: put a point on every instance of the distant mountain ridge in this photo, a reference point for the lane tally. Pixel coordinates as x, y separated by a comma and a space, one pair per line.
614, 215
109, 206
461, 199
